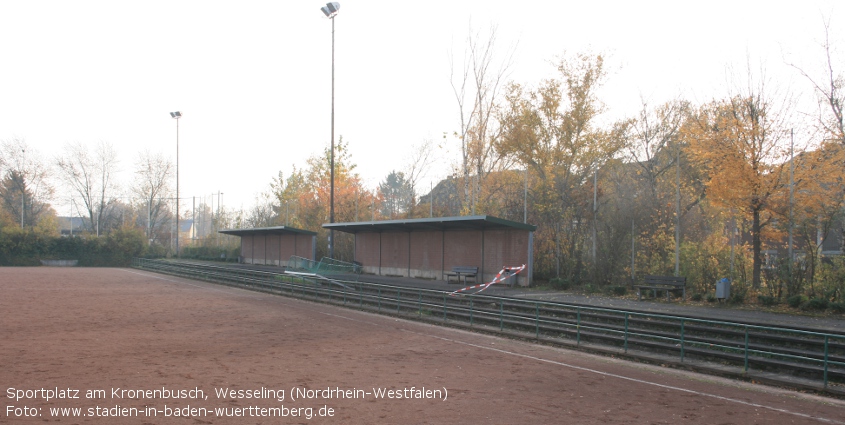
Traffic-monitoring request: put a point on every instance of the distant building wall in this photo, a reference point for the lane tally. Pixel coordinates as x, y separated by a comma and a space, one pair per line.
505, 248
259, 249
463, 248
430, 254
273, 255
426, 259
368, 252
394, 254
246, 249
274, 246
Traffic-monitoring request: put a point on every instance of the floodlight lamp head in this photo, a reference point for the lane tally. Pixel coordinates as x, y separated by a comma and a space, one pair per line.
330, 9
176, 115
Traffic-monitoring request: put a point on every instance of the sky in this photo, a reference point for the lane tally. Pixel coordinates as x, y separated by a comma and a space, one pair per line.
253, 78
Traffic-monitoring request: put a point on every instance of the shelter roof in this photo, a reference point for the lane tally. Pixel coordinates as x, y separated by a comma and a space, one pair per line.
278, 230
475, 222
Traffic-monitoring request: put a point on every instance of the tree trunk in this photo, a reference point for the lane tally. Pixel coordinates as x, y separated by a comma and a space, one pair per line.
756, 249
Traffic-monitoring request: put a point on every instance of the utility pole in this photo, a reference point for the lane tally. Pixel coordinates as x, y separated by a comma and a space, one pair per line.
525, 198
23, 192
633, 264
791, 194
678, 212
595, 212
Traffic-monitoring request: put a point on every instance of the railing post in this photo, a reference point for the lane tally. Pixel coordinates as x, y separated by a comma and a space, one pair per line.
379, 300
626, 333
501, 316
578, 327
537, 320
470, 311
398, 300
444, 307
826, 351
419, 302
682, 340
745, 366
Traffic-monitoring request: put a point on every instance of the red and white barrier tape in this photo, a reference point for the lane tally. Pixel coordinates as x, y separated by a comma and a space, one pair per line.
512, 271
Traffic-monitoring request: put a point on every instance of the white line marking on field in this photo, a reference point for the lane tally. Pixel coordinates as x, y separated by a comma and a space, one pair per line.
208, 287
613, 375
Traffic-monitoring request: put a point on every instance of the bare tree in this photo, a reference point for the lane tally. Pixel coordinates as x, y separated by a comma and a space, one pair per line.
153, 173
417, 165
261, 214
652, 134
477, 91
90, 175
831, 92
25, 190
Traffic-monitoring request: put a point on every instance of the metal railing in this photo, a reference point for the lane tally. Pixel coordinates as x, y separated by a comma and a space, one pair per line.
780, 352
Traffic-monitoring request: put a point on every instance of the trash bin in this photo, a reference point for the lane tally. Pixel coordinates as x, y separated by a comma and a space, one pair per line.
723, 289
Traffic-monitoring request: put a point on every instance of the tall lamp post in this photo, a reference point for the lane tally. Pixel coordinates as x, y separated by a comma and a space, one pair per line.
791, 195
23, 192
176, 115
330, 10
215, 223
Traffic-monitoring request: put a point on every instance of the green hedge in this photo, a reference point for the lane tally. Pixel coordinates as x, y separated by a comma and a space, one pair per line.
28, 248
211, 253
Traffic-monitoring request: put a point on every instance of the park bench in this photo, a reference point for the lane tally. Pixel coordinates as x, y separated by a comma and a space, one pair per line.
662, 283
463, 271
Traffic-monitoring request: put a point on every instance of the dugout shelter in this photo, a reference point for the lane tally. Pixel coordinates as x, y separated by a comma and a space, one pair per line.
429, 248
274, 245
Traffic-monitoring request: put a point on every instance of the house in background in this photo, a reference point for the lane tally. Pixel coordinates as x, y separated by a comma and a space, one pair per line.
186, 232
72, 226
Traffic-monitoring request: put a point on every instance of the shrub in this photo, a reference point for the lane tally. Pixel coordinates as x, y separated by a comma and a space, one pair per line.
589, 288
832, 277
560, 283
815, 304
767, 300
122, 245
737, 297
155, 251
795, 301
27, 247
697, 297
618, 290
711, 298
838, 308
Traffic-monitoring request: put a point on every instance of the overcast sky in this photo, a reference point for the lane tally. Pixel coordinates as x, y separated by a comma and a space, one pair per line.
253, 78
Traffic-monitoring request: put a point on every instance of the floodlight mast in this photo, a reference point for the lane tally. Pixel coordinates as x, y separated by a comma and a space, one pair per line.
176, 115
330, 10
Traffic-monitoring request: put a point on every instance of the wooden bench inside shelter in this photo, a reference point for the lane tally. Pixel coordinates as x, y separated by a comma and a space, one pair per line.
663, 283
463, 271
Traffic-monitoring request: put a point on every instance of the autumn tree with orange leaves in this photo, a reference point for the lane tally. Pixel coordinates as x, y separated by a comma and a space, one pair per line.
552, 131
302, 199
816, 205
742, 143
